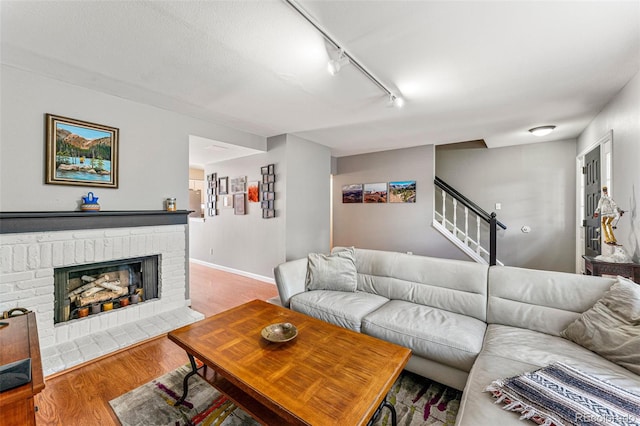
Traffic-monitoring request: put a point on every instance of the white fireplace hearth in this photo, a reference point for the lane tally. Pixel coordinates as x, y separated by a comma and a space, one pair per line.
28, 260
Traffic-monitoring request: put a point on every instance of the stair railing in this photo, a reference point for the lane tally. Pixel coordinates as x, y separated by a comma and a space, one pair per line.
462, 234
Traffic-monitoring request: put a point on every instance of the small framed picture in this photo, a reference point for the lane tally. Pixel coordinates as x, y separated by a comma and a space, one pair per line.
213, 212
211, 205
268, 213
223, 185
213, 184
264, 187
238, 203
271, 169
268, 195
270, 187
264, 170
271, 178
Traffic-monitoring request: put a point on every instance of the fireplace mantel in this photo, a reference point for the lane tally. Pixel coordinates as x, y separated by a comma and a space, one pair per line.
19, 222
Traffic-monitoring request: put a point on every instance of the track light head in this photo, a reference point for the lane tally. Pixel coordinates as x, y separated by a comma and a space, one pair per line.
396, 101
335, 65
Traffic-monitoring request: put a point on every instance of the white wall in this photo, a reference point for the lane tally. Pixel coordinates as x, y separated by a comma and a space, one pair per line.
535, 185
391, 226
251, 244
622, 115
154, 146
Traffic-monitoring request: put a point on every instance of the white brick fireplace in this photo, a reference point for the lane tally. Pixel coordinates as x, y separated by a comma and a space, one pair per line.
27, 262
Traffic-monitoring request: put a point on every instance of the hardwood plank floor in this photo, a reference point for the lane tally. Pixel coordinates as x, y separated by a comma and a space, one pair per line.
81, 396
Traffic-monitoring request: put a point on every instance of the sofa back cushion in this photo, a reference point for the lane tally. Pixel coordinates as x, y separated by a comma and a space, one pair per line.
453, 285
542, 301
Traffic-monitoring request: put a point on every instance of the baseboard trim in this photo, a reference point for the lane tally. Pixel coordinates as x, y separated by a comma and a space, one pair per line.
234, 271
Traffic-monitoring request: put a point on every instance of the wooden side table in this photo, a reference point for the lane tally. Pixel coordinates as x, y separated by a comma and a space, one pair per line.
599, 268
19, 340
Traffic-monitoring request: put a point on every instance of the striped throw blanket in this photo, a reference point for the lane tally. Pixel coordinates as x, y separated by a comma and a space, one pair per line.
560, 395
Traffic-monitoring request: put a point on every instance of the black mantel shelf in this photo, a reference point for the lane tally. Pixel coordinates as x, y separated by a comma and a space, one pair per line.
19, 222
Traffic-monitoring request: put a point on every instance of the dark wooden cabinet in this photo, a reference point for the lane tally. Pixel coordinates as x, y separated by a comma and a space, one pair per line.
19, 340
599, 268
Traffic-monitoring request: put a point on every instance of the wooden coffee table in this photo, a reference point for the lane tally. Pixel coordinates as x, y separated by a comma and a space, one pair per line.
327, 375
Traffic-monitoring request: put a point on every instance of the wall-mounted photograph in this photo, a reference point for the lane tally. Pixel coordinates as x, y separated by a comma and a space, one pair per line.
81, 153
375, 192
238, 184
223, 185
238, 203
253, 195
227, 201
268, 213
352, 193
402, 191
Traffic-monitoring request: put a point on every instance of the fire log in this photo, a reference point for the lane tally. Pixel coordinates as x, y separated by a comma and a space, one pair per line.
100, 297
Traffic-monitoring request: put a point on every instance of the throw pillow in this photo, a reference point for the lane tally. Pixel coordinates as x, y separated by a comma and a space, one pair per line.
336, 271
611, 328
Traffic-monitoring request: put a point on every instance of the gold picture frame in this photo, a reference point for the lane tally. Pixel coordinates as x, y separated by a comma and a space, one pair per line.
80, 153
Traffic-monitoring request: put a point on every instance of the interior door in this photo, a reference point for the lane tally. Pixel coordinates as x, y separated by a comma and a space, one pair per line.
591, 174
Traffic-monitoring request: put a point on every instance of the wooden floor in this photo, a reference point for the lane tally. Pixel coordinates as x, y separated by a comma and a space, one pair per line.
81, 396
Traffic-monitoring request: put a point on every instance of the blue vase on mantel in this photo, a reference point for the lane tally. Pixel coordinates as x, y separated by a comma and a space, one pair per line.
90, 203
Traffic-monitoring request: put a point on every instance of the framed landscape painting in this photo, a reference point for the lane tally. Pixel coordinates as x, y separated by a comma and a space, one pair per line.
375, 192
81, 153
402, 191
352, 193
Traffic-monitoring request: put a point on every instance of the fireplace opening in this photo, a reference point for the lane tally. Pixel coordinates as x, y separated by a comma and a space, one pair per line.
84, 290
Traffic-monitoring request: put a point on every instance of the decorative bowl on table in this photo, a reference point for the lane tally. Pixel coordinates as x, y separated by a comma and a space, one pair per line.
280, 332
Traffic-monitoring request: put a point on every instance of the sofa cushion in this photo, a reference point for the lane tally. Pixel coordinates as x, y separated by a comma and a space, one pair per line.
449, 338
337, 307
611, 327
336, 271
453, 285
543, 301
509, 351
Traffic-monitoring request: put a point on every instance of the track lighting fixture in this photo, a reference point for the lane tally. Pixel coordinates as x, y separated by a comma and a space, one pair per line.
335, 65
542, 130
396, 101
345, 58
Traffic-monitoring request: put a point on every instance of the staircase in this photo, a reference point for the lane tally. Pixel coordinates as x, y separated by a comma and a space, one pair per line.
465, 224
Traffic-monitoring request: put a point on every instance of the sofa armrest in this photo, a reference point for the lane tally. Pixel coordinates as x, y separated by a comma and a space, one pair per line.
290, 279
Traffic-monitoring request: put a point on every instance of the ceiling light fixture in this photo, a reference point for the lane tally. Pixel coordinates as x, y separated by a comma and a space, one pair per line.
542, 130
334, 66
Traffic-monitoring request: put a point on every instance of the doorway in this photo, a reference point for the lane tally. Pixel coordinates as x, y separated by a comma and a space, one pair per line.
593, 171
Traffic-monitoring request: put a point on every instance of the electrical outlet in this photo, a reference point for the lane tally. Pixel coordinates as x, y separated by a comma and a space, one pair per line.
498, 206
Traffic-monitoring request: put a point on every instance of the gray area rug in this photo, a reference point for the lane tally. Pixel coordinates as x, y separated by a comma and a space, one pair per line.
418, 401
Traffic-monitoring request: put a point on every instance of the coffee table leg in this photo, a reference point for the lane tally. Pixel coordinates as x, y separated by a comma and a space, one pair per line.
391, 408
185, 382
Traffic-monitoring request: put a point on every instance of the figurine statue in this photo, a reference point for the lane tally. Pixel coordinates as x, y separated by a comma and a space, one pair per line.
609, 210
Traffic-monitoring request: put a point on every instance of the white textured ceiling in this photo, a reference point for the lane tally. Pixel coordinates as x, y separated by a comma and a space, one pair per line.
468, 70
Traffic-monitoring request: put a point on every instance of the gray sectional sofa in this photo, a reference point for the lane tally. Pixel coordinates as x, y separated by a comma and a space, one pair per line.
467, 324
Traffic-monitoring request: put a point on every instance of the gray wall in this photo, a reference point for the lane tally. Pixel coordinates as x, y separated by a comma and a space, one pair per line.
622, 115
254, 245
535, 184
308, 178
154, 146
391, 226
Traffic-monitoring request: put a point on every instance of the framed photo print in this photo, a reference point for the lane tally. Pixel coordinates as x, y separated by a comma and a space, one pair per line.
402, 191
223, 185
81, 153
264, 170
271, 169
238, 203
268, 213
